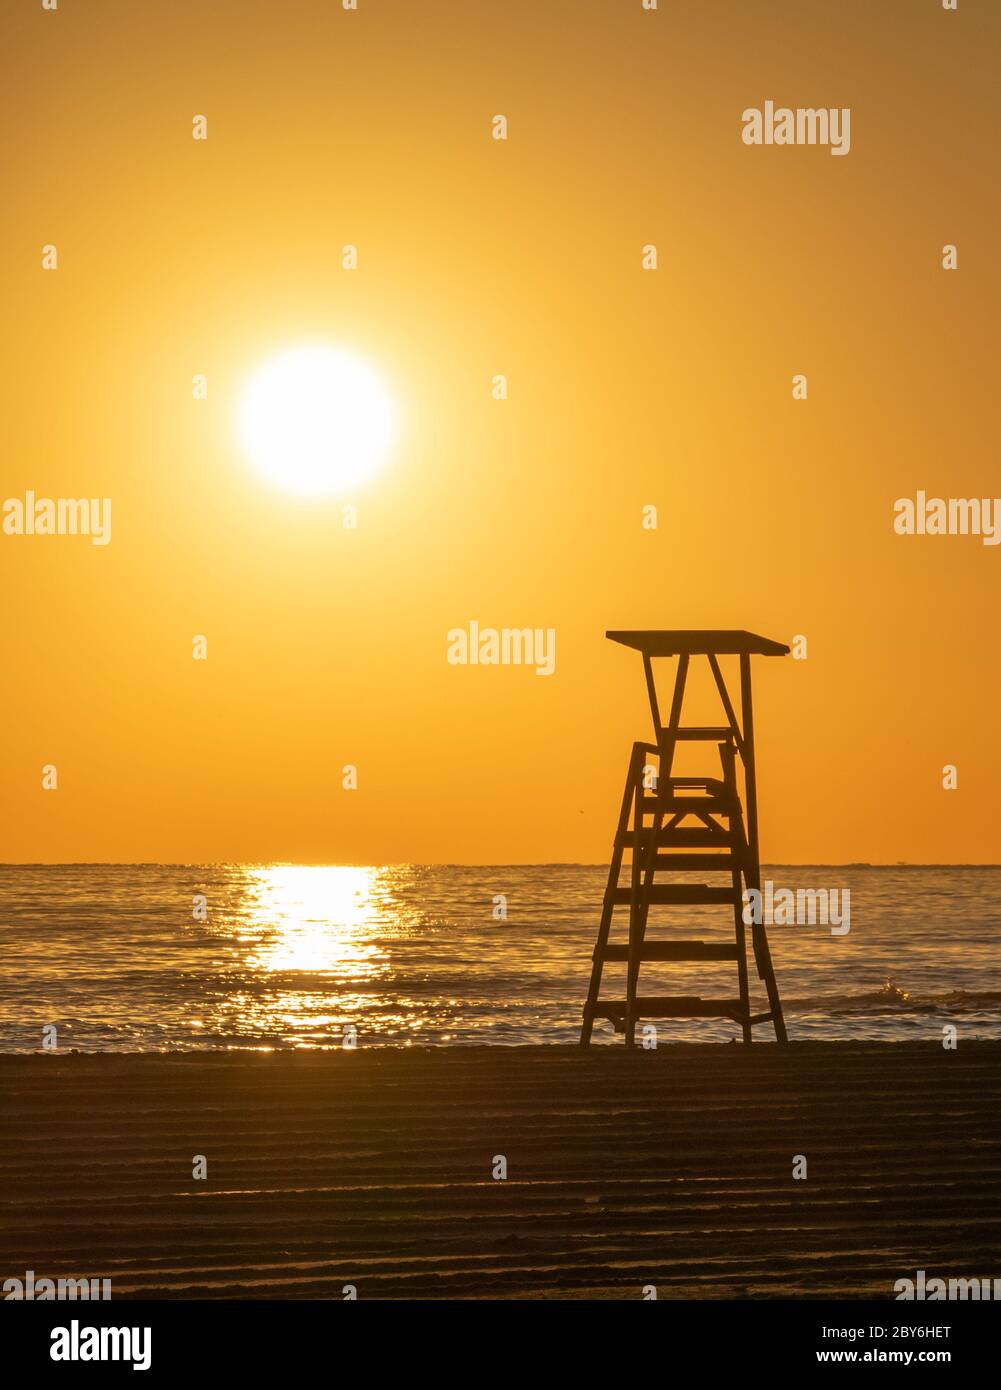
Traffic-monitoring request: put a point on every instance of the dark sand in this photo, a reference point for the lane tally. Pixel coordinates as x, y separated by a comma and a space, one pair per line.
374, 1168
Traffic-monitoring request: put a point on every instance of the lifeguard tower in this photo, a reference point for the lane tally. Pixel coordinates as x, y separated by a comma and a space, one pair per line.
675, 825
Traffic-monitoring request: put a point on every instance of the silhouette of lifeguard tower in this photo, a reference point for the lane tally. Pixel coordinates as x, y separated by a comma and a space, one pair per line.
679, 825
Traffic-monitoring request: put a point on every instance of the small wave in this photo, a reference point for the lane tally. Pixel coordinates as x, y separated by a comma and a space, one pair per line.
892, 999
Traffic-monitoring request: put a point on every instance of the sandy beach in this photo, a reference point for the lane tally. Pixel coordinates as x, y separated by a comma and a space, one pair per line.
374, 1168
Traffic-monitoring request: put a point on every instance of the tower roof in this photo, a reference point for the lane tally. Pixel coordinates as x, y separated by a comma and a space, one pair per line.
699, 642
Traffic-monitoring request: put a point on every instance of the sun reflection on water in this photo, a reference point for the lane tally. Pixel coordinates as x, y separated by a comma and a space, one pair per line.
317, 918
329, 956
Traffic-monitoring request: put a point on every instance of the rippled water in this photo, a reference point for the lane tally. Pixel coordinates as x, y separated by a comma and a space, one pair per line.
116, 957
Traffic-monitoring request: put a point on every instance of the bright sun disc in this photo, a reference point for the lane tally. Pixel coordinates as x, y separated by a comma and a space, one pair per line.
315, 420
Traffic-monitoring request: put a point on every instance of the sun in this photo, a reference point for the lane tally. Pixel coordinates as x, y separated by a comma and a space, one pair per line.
316, 420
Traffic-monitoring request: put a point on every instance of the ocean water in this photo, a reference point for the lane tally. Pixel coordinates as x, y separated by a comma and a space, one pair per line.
118, 957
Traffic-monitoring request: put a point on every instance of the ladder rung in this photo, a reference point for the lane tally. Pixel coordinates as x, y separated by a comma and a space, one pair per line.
673, 1006
674, 950
679, 894
686, 806
698, 863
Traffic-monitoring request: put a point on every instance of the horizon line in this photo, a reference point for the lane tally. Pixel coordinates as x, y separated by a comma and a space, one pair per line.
448, 864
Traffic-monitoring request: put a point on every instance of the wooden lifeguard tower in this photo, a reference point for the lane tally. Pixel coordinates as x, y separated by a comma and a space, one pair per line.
680, 825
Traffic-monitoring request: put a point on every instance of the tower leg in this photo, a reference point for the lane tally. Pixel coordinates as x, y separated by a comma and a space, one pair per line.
767, 973
727, 754
762, 955
742, 986
636, 919
614, 868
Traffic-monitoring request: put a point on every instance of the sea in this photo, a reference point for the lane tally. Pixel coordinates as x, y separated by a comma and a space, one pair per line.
153, 957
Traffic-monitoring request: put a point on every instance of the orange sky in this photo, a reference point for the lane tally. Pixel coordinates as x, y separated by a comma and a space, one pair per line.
478, 257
